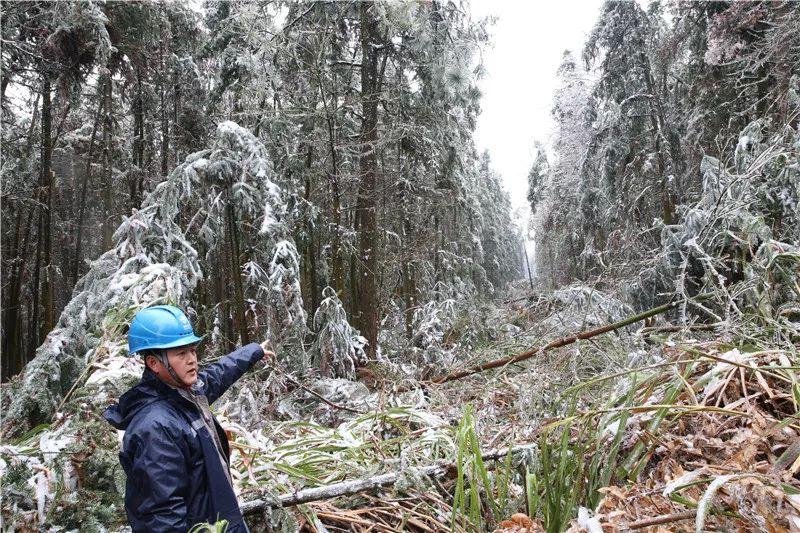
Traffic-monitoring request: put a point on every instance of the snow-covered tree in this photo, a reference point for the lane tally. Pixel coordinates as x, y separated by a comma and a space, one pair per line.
338, 346
219, 200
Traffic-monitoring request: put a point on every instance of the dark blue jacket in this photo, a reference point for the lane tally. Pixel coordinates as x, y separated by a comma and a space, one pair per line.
174, 476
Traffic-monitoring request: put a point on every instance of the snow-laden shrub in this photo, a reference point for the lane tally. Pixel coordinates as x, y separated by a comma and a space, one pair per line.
338, 346
433, 321
103, 303
739, 243
236, 207
160, 254
580, 307
287, 317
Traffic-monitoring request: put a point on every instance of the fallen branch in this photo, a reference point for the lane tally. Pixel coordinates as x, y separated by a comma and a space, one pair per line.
314, 393
660, 520
556, 344
348, 488
678, 329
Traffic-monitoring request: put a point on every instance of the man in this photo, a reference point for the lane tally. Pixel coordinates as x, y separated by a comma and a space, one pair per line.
174, 453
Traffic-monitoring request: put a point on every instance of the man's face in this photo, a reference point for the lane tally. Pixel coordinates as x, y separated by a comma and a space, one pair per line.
183, 361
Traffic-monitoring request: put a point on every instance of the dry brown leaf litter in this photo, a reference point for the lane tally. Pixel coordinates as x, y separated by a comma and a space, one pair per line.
753, 440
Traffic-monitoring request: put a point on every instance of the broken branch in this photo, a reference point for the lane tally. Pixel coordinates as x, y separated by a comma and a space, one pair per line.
555, 344
348, 488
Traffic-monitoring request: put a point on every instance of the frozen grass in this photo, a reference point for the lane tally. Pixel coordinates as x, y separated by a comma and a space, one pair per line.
303, 454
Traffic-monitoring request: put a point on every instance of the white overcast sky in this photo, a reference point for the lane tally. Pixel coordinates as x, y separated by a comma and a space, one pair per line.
529, 39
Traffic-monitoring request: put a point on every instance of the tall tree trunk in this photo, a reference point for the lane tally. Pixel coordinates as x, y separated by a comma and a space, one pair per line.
176, 106
87, 177
27, 344
42, 292
657, 122
236, 270
353, 276
135, 180
108, 182
337, 262
48, 177
336, 239
221, 296
409, 286
164, 119
11, 362
409, 297
366, 203
311, 257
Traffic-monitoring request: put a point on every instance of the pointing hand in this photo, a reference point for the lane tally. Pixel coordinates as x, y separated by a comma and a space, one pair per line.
268, 354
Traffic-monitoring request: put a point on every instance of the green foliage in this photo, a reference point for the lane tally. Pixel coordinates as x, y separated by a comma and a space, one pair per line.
217, 527
17, 473
480, 495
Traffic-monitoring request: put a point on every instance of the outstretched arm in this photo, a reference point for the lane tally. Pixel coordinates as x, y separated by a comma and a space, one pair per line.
218, 377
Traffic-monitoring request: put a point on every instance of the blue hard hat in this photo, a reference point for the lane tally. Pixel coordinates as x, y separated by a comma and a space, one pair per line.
160, 327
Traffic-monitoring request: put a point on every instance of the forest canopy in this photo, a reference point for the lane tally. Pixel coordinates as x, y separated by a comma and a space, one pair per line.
364, 115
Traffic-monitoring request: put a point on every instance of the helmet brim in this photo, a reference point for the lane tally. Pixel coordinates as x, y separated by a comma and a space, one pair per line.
183, 341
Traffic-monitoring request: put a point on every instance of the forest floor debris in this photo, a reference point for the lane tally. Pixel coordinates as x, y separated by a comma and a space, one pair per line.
695, 432
715, 445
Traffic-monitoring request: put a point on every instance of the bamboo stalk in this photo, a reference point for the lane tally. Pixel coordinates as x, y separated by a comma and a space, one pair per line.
348, 488
564, 341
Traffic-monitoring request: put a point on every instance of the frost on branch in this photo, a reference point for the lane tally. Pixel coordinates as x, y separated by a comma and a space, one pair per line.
726, 245
337, 345
287, 316
161, 252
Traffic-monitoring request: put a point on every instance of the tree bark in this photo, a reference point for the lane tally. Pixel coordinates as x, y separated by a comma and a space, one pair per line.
176, 107
25, 344
409, 280
409, 297
310, 247
236, 270
87, 177
108, 182
164, 118
137, 173
368, 304
48, 178
221, 296
11, 363
336, 239
41, 290
354, 281
337, 262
